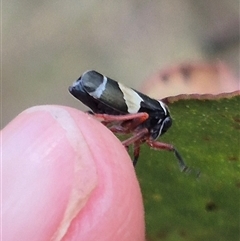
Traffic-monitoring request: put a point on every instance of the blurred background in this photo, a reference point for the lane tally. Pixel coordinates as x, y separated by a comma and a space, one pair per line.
46, 45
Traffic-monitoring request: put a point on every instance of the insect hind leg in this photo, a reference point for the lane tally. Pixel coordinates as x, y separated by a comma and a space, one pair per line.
164, 146
137, 117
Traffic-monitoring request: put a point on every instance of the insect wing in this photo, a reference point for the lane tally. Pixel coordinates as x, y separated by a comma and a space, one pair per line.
114, 95
105, 95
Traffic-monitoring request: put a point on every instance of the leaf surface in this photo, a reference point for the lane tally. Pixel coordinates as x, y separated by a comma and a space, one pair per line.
180, 206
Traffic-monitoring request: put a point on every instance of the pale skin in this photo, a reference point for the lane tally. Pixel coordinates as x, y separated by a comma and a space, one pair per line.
65, 176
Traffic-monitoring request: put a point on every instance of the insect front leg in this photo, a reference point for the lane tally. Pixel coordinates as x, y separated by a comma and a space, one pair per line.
136, 152
164, 146
136, 140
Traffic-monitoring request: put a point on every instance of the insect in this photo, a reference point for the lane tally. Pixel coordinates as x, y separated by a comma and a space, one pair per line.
126, 111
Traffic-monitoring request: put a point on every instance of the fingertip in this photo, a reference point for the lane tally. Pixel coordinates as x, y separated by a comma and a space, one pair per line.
45, 179
115, 206
77, 178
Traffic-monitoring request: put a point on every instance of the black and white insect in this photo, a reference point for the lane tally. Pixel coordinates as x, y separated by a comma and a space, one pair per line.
126, 111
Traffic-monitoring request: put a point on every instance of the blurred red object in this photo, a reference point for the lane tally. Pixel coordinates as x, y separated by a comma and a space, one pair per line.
190, 78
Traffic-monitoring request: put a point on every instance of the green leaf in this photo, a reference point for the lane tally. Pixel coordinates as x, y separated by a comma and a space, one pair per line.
180, 206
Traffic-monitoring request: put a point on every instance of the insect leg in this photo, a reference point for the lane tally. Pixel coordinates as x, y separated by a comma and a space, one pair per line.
138, 117
127, 123
136, 137
136, 141
136, 153
122, 123
164, 146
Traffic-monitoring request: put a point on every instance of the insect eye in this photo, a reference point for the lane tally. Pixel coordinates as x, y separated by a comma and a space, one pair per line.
161, 127
166, 124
